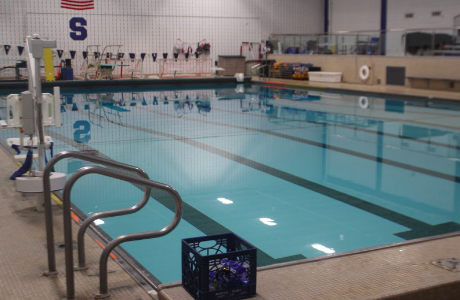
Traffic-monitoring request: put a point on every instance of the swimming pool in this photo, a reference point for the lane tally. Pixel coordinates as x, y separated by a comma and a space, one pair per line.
297, 173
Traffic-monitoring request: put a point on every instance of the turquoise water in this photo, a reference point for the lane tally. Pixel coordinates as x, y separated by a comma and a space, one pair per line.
296, 173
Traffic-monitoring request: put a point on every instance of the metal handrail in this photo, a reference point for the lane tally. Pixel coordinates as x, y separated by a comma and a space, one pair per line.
340, 32
100, 215
47, 199
103, 291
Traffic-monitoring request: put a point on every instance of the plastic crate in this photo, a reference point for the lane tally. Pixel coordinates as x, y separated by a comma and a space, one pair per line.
220, 267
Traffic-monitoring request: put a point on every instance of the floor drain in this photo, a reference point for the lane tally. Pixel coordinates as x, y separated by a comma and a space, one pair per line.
451, 264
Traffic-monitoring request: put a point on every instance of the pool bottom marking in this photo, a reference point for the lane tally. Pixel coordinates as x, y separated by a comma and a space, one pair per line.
196, 218
323, 145
418, 228
408, 138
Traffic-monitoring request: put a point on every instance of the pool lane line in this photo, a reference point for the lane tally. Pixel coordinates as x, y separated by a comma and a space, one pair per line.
325, 146
347, 127
193, 216
418, 228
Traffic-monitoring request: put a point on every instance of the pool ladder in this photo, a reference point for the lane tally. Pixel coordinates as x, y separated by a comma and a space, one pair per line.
142, 180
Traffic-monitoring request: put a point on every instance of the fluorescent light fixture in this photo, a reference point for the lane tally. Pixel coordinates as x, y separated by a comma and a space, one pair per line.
98, 222
268, 221
323, 249
225, 201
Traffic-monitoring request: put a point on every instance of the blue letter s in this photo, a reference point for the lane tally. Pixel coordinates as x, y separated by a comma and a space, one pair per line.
86, 129
82, 30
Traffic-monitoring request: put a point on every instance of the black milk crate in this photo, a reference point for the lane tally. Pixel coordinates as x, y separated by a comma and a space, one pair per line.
222, 267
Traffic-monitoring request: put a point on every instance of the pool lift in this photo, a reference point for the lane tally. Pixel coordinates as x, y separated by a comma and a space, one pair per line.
30, 112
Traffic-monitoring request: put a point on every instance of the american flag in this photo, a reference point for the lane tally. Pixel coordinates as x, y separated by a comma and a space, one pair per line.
77, 4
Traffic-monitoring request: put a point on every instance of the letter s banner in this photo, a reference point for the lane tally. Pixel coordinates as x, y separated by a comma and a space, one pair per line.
76, 24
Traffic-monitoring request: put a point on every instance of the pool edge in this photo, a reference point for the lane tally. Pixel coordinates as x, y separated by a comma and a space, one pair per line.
357, 92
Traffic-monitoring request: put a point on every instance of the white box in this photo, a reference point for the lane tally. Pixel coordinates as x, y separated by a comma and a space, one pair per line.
325, 76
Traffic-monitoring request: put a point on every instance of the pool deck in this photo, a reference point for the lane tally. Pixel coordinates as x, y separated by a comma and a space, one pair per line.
376, 90
24, 255
403, 272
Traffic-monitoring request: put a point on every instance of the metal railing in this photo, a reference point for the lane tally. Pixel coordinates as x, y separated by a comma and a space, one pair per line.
48, 207
103, 291
392, 42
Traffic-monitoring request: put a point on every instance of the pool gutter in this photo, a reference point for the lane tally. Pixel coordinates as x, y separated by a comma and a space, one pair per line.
332, 256
11, 85
355, 92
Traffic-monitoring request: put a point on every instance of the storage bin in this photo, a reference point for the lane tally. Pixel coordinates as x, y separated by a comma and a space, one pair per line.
67, 73
220, 267
325, 76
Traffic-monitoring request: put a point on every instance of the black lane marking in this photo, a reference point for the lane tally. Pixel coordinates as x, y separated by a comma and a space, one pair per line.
199, 220
326, 146
329, 192
418, 228
350, 127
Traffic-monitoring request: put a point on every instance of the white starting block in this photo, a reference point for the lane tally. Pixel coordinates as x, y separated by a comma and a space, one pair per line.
3, 124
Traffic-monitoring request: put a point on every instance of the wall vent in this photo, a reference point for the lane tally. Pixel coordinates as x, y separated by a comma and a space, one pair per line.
436, 13
410, 15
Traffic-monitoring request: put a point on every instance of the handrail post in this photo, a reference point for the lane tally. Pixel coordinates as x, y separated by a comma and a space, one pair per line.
69, 275
49, 221
124, 238
47, 195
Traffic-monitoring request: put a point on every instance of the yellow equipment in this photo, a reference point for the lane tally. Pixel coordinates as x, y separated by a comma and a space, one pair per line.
49, 67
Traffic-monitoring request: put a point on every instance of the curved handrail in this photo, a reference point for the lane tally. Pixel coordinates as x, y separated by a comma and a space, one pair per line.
105, 214
47, 197
121, 239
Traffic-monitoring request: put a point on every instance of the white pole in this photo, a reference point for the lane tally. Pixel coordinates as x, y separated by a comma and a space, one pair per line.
40, 201
57, 106
40, 131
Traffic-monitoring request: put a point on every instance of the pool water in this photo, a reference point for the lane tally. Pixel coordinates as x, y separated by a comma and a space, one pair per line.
297, 173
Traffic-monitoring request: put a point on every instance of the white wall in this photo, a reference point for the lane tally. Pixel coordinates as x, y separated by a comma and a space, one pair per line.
354, 15
154, 25
359, 15
422, 10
